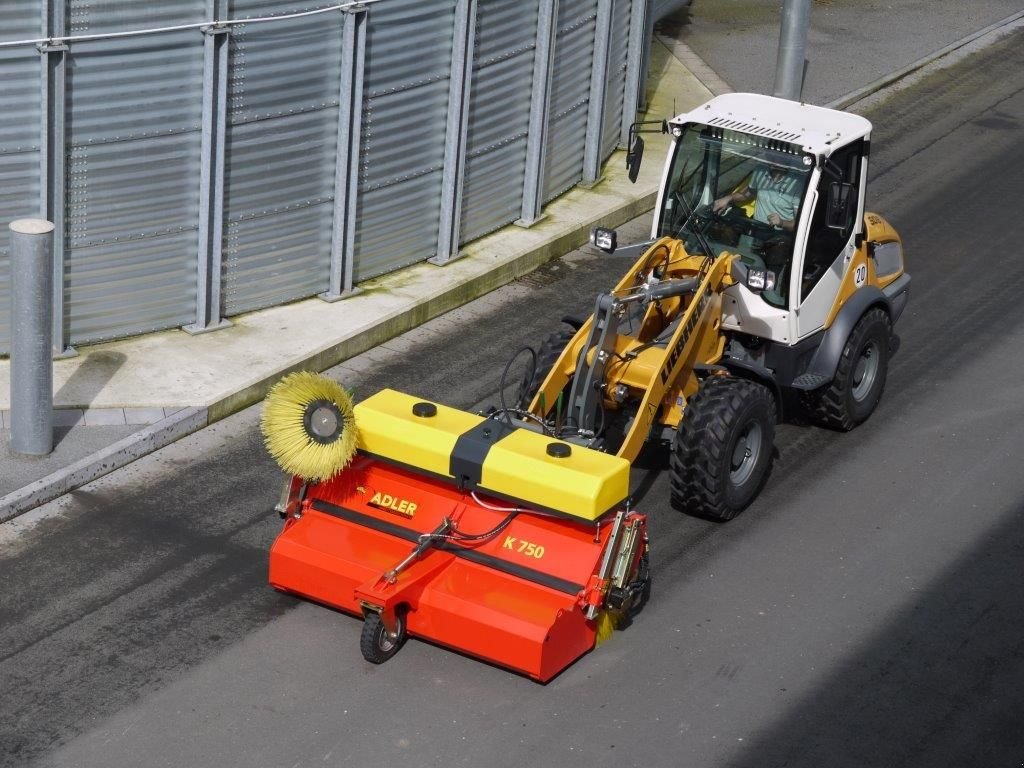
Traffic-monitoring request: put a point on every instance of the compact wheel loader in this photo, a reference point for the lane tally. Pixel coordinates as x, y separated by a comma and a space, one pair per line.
765, 293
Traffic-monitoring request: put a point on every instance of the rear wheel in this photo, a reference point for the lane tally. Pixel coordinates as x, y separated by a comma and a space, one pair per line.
860, 376
722, 452
376, 643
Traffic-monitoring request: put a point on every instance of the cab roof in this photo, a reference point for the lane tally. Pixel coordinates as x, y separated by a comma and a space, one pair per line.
818, 130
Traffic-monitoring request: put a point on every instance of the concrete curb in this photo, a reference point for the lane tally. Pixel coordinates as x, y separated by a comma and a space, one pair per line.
114, 456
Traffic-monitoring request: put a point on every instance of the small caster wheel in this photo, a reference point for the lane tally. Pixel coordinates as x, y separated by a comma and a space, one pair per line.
376, 643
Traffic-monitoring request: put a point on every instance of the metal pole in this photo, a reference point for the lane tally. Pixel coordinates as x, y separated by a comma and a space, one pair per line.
52, 159
789, 69
211, 176
346, 164
31, 336
540, 103
598, 89
634, 67
457, 133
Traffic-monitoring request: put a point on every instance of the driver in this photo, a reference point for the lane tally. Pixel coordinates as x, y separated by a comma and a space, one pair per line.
777, 195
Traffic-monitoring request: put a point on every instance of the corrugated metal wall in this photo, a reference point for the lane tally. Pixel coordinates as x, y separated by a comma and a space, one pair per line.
19, 141
281, 147
499, 115
133, 135
570, 95
136, 158
408, 59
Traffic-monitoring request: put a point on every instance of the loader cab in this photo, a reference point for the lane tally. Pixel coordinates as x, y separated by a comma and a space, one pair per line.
780, 185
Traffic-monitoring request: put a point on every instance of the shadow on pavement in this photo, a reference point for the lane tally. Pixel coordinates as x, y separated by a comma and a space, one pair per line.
941, 685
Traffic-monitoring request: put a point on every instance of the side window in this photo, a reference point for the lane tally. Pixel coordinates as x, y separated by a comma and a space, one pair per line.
824, 244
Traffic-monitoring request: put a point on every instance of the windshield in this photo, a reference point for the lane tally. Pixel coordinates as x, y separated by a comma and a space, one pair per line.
739, 193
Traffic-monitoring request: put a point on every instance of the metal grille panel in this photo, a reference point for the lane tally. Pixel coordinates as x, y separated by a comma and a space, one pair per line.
281, 150
499, 115
103, 16
134, 134
117, 289
287, 254
20, 70
19, 199
574, 55
404, 124
20, 20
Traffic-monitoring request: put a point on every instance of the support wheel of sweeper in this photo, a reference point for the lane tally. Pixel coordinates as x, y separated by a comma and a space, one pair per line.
860, 375
722, 452
376, 643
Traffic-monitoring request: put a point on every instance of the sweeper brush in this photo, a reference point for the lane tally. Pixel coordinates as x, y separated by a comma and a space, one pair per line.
308, 426
457, 528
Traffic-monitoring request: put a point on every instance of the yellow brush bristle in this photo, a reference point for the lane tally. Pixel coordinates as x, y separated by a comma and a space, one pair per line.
284, 430
605, 627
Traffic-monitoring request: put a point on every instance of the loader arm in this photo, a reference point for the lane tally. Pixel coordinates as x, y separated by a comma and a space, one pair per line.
677, 331
672, 379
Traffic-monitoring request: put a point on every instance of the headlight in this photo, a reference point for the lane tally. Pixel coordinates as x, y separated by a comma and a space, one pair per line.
604, 239
760, 279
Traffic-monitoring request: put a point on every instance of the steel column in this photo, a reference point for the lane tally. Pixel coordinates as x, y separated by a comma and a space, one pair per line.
211, 177
598, 89
52, 186
457, 131
540, 106
648, 41
31, 337
346, 170
792, 58
634, 67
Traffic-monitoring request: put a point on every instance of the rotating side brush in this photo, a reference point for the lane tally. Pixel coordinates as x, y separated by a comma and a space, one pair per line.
309, 426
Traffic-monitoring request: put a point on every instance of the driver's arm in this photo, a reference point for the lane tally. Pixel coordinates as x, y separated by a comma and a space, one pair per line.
740, 197
777, 221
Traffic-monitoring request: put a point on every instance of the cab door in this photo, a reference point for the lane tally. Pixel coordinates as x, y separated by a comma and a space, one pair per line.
829, 252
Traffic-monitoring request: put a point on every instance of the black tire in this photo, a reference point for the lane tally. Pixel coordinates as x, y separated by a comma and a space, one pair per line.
376, 643
547, 356
860, 377
723, 448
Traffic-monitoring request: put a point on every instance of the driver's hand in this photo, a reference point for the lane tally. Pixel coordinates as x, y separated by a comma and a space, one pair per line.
722, 203
774, 219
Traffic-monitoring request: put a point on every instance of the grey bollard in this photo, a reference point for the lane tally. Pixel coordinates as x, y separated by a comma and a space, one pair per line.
31, 337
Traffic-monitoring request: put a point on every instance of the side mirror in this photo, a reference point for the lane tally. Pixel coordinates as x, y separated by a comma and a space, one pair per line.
634, 155
840, 200
604, 239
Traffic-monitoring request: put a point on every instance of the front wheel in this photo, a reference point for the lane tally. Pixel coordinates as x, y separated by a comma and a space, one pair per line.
376, 643
860, 376
722, 452
547, 356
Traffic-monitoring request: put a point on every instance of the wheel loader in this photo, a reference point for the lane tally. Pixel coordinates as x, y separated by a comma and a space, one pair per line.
766, 293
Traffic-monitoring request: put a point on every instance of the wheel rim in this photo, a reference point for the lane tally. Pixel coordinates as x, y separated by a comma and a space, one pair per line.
745, 454
865, 372
386, 641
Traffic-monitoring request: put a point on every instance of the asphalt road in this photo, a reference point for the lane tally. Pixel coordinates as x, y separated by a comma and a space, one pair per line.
867, 610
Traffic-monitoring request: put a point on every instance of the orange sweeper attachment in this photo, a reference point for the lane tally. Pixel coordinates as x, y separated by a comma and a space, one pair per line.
465, 530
